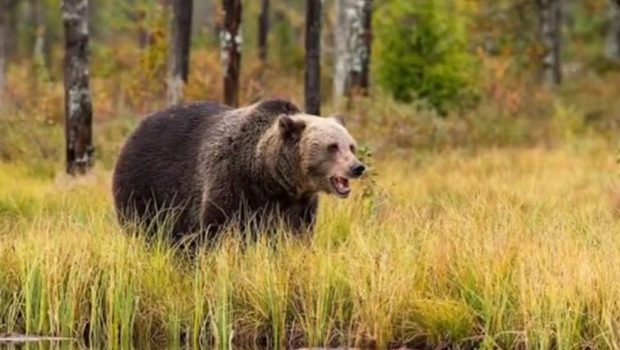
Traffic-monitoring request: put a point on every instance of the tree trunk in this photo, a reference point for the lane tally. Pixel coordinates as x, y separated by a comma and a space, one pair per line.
313, 57
359, 74
78, 105
612, 45
7, 16
39, 35
353, 46
551, 37
40, 50
138, 16
230, 41
263, 31
178, 63
340, 50
3, 51
11, 13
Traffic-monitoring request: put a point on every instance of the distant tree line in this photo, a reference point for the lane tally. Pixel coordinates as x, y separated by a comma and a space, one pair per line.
413, 25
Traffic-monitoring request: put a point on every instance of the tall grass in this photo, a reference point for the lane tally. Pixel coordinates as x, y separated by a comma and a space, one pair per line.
503, 248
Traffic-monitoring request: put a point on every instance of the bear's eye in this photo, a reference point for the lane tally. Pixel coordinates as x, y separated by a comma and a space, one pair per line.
352, 148
332, 147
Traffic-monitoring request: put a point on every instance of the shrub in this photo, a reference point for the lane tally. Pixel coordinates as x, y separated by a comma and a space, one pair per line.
422, 54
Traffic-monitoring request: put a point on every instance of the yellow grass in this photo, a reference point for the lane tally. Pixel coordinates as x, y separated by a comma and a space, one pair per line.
503, 248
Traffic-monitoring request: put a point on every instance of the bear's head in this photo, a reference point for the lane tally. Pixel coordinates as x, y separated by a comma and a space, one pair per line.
324, 150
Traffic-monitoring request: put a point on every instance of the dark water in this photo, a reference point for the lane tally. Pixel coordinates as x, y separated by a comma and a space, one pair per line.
42, 343
50, 343
29, 342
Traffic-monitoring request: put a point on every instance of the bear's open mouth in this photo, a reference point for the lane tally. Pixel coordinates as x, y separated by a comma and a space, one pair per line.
340, 185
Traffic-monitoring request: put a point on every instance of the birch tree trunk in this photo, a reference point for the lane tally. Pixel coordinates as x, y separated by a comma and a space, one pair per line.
361, 46
612, 45
313, 57
78, 105
340, 50
353, 45
178, 57
231, 41
263, 31
551, 37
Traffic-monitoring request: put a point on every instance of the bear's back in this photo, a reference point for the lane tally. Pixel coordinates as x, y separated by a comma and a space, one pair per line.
157, 164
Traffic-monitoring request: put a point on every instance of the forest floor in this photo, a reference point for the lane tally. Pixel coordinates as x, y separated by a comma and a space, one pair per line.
498, 247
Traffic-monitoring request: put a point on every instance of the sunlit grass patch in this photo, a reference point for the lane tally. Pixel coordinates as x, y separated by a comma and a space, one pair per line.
500, 248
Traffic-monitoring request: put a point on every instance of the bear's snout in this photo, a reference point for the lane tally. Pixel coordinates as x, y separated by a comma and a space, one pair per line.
357, 170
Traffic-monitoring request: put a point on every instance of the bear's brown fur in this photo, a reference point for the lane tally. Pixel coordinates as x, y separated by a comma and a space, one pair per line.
212, 164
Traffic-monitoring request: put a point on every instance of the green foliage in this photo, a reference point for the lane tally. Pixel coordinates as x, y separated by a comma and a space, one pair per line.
289, 53
422, 54
371, 191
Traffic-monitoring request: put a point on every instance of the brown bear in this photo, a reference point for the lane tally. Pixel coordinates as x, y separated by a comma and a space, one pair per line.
211, 165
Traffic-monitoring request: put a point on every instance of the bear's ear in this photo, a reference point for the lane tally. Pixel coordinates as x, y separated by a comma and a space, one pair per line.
291, 129
339, 119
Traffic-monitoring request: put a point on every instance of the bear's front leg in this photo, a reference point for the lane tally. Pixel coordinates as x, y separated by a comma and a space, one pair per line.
301, 217
214, 215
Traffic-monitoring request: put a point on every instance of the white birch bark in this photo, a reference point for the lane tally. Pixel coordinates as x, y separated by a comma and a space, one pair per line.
352, 46
78, 104
550, 32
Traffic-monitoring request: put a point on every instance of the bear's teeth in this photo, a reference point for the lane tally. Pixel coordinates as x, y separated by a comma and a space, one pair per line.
341, 184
